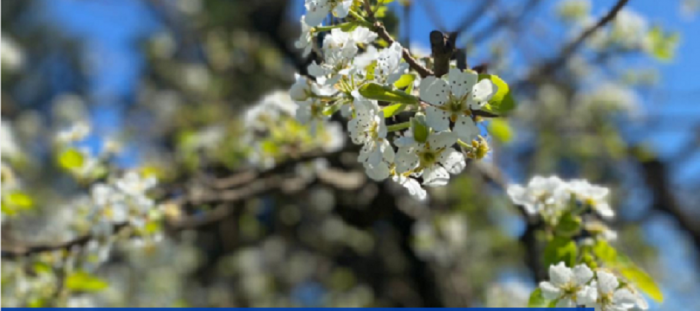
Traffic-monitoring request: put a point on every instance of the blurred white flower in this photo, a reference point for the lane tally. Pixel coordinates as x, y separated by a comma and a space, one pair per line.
76, 133
610, 296
12, 54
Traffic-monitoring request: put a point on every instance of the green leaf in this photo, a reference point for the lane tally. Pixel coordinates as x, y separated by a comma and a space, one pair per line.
71, 159
500, 130
502, 102
536, 299
420, 129
621, 263
560, 249
390, 111
41, 267
20, 200
606, 253
81, 281
348, 27
569, 225
405, 81
662, 45
370, 70
643, 281
382, 93
330, 110
381, 12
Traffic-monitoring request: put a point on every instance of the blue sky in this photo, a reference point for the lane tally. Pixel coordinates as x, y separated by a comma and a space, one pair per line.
111, 29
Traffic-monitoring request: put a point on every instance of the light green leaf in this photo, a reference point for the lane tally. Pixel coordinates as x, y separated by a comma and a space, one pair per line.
621, 263
348, 27
536, 299
500, 130
20, 200
81, 281
405, 81
390, 111
560, 249
382, 93
71, 159
370, 70
643, 281
606, 253
503, 101
662, 45
381, 12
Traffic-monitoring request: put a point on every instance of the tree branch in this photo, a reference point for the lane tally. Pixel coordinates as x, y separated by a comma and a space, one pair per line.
575, 44
422, 70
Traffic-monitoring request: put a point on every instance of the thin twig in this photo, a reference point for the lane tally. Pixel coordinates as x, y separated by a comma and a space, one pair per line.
422, 70
384, 34
575, 44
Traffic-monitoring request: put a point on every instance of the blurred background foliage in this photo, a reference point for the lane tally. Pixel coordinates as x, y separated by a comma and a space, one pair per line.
172, 88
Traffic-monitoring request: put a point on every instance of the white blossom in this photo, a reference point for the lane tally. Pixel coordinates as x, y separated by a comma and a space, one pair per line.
133, 184
569, 286
434, 159
593, 196
454, 101
303, 89
412, 185
389, 66
306, 37
540, 192
368, 129
610, 296
317, 10
310, 112
75, 133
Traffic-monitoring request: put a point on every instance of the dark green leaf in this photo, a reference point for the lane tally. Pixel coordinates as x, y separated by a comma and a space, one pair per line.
569, 225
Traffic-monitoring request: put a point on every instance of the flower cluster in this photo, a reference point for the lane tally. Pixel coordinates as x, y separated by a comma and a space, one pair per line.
120, 202
580, 286
274, 131
415, 153
551, 196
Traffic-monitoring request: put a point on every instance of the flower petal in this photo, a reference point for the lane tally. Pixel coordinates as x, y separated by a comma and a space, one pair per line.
453, 161
317, 12
607, 282
437, 119
442, 140
342, 9
582, 274
587, 296
461, 82
435, 91
549, 291
484, 91
406, 160
560, 274
466, 129
377, 172
435, 175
